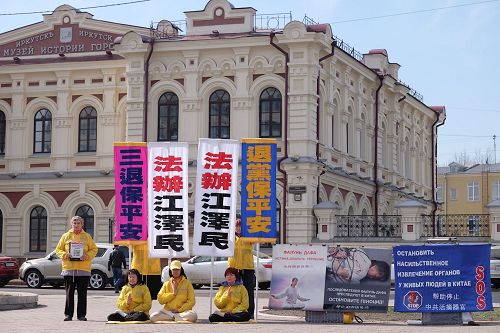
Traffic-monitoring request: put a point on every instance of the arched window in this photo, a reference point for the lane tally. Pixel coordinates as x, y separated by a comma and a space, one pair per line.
2, 134
407, 168
3, 130
270, 113
383, 146
38, 229
1, 231
87, 214
335, 125
218, 127
87, 139
349, 139
362, 139
168, 117
43, 131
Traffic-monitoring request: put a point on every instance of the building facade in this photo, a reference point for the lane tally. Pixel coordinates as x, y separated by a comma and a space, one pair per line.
348, 131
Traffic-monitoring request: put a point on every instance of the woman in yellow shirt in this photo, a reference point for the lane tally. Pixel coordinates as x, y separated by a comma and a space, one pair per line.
231, 299
134, 301
176, 296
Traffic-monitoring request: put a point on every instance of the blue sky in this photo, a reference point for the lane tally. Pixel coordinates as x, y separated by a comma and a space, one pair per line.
449, 55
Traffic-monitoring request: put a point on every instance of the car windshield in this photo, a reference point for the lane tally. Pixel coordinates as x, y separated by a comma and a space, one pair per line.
53, 255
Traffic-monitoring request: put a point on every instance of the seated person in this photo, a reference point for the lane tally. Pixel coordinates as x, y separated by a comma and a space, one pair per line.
134, 301
176, 296
231, 299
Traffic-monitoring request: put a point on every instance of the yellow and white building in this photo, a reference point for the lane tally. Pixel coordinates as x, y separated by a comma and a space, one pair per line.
348, 130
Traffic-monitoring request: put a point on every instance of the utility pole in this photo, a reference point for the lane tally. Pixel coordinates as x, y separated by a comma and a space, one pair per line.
495, 147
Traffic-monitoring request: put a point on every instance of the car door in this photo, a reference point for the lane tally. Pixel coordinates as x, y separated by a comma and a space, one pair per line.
52, 267
219, 269
196, 269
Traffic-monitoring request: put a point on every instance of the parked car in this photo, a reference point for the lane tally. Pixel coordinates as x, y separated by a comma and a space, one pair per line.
37, 272
197, 270
9, 269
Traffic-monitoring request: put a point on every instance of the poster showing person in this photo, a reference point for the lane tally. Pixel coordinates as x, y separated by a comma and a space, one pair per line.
442, 278
357, 279
298, 280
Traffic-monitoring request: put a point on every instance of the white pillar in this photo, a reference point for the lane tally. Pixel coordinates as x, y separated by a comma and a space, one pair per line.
494, 208
327, 224
411, 220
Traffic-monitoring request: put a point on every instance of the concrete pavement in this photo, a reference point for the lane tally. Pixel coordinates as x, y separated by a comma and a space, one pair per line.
48, 317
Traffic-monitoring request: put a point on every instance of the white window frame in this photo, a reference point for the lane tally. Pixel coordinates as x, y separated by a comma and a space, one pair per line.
439, 193
453, 194
473, 191
496, 190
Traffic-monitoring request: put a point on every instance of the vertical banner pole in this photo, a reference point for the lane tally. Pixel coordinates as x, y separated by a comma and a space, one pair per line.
257, 284
211, 282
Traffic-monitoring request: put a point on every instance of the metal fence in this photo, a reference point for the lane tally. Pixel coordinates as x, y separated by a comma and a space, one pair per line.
456, 225
368, 226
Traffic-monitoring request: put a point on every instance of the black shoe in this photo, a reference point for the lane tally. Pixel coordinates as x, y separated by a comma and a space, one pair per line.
117, 291
82, 318
68, 318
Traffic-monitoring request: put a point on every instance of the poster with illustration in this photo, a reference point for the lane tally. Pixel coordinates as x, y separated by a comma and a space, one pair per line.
357, 279
298, 280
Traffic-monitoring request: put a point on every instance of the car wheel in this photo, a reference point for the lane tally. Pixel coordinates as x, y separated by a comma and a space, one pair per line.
56, 285
34, 279
98, 280
197, 286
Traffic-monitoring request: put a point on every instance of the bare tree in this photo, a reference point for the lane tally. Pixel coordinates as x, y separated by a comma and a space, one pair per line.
468, 159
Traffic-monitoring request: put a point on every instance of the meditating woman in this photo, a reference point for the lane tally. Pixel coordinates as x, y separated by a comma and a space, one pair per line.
177, 297
134, 301
231, 299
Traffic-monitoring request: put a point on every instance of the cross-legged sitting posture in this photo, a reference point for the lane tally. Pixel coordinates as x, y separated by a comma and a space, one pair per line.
134, 301
176, 296
231, 299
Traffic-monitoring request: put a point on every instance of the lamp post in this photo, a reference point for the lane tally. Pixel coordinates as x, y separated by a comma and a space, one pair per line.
111, 224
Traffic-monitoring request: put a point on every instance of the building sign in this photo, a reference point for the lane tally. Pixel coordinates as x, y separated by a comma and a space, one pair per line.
258, 190
67, 38
131, 176
216, 191
442, 278
168, 199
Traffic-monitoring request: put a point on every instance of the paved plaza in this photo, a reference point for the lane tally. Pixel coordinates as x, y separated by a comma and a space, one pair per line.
48, 317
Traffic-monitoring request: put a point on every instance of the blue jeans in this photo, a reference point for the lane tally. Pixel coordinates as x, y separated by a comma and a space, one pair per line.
117, 277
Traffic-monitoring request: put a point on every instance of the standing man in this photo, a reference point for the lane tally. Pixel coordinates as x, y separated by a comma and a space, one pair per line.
115, 262
242, 260
76, 248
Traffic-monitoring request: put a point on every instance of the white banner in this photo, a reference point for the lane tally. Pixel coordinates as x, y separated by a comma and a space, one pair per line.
168, 199
216, 197
298, 280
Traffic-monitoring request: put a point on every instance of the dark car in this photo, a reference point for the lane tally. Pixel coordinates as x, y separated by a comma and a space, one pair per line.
9, 270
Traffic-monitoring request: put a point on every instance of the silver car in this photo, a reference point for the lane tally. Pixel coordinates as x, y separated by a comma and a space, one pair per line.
37, 272
197, 270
